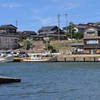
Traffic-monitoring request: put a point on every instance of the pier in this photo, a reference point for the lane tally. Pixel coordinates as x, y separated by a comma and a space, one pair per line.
8, 80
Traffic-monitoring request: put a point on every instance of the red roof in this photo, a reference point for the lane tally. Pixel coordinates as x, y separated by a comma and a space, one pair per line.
19, 32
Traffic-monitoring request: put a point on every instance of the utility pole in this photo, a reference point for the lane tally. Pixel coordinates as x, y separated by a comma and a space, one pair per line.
16, 23
58, 27
71, 31
66, 22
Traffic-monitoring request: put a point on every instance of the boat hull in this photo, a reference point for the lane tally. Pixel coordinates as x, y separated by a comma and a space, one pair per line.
41, 60
6, 59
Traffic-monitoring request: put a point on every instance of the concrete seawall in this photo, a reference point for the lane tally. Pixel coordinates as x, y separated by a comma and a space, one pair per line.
8, 80
79, 58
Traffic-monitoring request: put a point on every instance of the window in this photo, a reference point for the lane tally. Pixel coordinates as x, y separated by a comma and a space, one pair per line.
79, 49
15, 40
13, 30
91, 34
92, 41
6, 40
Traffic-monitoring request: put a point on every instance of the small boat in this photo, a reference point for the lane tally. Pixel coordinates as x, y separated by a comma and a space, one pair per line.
38, 57
6, 57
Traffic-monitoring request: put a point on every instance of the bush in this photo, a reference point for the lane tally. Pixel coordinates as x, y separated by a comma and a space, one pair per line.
27, 44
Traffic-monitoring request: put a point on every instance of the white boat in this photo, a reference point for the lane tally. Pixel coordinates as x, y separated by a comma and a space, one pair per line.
38, 57
6, 57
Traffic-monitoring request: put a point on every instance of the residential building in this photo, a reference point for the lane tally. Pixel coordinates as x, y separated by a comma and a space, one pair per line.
53, 32
91, 42
80, 27
8, 37
8, 29
29, 35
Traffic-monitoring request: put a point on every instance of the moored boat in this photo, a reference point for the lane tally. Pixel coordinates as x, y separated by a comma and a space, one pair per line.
6, 57
38, 57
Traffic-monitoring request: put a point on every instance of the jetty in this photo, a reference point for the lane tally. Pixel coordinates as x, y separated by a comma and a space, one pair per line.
8, 79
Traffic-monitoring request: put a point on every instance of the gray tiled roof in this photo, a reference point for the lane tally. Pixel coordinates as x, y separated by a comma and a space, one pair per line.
7, 26
48, 28
77, 44
81, 26
48, 32
30, 32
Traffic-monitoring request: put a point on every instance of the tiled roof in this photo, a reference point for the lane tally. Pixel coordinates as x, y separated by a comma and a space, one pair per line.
48, 32
48, 28
30, 32
77, 44
7, 26
81, 26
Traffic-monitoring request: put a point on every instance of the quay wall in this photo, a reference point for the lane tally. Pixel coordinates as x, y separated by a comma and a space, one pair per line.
86, 58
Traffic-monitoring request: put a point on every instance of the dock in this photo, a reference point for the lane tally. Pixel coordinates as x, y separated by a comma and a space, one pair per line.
8, 80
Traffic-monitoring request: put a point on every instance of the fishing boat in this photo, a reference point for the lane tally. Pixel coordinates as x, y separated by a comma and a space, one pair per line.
38, 57
6, 57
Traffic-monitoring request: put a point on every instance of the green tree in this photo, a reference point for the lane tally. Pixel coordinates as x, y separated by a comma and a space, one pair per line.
79, 35
48, 47
27, 44
71, 30
20, 39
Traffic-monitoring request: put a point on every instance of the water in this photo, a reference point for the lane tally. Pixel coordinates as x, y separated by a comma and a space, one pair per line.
51, 81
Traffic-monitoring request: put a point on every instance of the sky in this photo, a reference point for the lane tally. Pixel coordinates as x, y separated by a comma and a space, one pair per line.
31, 15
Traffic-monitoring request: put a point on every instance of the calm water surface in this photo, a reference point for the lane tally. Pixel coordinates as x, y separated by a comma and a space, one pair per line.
51, 81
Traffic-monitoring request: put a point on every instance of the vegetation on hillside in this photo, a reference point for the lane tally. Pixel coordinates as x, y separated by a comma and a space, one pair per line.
48, 47
57, 47
27, 44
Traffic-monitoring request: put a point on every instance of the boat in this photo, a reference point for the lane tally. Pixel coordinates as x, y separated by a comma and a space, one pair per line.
6, 57
40, 57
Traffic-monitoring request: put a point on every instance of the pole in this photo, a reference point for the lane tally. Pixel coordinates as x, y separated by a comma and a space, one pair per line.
66, 23
58, 27
16, 23
71, 31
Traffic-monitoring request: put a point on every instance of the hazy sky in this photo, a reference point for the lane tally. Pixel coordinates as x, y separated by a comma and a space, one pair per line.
31, 15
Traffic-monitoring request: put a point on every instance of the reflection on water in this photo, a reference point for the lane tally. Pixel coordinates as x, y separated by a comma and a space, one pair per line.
51, 81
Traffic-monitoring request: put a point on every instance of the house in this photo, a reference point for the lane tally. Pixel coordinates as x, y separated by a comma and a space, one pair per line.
91, 42
8, 29
8, 42
80, 27
53, 32
29, 35
8, 37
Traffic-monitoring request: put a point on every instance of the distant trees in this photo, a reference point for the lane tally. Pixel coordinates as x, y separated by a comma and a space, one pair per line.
71, 32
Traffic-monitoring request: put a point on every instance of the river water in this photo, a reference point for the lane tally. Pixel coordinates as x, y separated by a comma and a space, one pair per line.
51, 81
